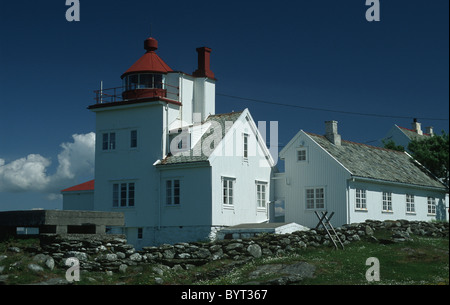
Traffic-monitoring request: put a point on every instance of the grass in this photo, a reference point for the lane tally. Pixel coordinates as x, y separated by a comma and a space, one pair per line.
424, 260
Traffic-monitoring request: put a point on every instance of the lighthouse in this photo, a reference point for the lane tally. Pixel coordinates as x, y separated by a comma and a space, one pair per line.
178, 171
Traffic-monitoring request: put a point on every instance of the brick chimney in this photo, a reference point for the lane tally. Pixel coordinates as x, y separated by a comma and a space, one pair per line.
203, 69
331, 132
416, 126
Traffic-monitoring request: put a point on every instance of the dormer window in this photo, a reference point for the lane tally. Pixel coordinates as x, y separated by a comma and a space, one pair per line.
143, 81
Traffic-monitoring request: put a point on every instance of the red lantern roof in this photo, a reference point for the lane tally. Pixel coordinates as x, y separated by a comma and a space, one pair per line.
150, 61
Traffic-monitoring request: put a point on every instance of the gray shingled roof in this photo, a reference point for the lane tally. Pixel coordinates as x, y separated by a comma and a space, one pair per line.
196, 153
378, 163
412, 135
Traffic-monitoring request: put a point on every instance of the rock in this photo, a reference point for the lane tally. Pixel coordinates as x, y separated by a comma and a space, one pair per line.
234, 246
3, 279
368, 231
35, 268
123, 268
183, 255
203, 253
215, 248
177, 268
254, 250
2, 257
110, 257
50, 263
82, 256
157, 270
136, 257
1, 269
169, 253
159, 281
14, 250
40, 258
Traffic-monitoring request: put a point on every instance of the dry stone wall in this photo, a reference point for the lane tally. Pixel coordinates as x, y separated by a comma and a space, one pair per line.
112, 253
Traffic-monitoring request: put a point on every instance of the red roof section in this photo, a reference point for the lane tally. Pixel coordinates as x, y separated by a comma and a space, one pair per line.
150, 61
87, 186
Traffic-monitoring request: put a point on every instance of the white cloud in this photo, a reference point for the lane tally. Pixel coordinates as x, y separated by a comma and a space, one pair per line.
24, 174
30, 174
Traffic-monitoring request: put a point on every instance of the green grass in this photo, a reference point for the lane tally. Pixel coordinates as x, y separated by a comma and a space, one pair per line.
424, 260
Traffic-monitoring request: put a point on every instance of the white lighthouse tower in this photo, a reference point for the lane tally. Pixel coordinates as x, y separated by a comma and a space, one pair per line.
133, 132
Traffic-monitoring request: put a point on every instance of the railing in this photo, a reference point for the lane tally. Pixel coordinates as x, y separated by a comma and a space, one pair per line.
112, 95
109, 95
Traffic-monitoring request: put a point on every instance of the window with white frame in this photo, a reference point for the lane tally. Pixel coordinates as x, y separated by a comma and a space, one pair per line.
410, 205
315, 198
245, 148
361, 200
109, 141
431, 205
133, 138
301, 155
173, 194
228, 190
387, 202
261, 188
123, 194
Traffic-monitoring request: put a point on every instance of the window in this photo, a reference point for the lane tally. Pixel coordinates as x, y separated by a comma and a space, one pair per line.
387, 202
133, 139
173, 192
246, 136
227, 187
109, 141
143, 81
123, 194
431, 206
261, 188
301, 155
361, 203
140, 233
315, 198
410, 206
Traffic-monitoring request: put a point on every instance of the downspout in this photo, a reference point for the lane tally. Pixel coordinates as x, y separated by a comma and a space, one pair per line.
159, 202
347, 194
180, 99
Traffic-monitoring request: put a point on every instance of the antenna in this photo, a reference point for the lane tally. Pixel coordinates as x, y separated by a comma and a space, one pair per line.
101, 92
151, 29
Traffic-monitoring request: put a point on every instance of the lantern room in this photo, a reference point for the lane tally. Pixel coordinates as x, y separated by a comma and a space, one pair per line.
146, 77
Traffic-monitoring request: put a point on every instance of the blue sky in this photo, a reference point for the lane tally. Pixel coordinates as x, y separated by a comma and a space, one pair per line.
320, 54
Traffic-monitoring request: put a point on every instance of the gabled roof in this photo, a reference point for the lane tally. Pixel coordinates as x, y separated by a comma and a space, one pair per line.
86, 186
377, 163
196, 154
411, 134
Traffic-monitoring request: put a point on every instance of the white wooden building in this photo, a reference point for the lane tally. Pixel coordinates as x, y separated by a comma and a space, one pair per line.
355, 181
403, 136
178, 171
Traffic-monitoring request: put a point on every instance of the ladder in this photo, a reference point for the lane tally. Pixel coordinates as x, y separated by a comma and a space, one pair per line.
329, 228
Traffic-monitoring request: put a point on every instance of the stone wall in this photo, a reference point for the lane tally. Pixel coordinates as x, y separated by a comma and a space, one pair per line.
112, 253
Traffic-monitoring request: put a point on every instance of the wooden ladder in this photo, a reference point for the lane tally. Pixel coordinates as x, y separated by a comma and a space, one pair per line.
329, 228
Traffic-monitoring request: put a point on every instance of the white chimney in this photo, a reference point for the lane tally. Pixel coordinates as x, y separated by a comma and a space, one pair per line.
416, 126
331, 132
429, 130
